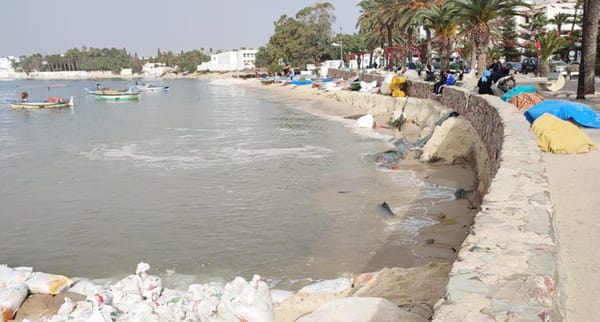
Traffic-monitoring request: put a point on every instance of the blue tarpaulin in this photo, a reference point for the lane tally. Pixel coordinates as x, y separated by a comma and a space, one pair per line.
516, 91
565, 110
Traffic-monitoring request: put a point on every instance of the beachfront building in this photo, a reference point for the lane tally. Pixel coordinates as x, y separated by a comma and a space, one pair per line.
230, 61
6, 66
156, 69
552, 8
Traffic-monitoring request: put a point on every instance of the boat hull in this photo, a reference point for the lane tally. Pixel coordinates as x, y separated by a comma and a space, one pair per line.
143, 88
38, 105
118, 97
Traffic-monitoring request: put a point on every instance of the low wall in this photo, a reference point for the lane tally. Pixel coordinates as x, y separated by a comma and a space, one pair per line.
506, 269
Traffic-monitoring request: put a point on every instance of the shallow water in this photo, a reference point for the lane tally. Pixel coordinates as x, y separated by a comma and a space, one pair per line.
203, 182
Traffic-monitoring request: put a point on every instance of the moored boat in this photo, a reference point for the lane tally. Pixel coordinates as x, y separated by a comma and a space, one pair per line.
51, 102
150, 88
115, 94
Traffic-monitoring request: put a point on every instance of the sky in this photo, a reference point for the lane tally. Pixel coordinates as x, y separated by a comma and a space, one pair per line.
143, 26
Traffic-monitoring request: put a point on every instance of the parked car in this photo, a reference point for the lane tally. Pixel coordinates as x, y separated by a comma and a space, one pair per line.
529, 65
559, 66
513, 65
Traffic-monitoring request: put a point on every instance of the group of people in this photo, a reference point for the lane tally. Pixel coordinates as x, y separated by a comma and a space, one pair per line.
490, 76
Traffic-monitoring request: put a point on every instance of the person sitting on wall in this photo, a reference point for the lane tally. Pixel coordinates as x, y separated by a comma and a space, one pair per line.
437, 87
485, 83
429, 72
450, 80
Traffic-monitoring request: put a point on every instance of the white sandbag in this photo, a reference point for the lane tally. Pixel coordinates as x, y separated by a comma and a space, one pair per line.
385, 84
366, 121
11, 299
84, 287
138, 287
18, 274
367, 87
279, 296
44, 283
248, 301
330, 286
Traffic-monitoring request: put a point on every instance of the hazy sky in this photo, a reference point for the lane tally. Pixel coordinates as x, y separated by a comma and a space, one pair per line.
142, 26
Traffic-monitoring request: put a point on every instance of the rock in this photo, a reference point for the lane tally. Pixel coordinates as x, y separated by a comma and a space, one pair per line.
361, 310
301, 304
452, 141
397, 284
38, 306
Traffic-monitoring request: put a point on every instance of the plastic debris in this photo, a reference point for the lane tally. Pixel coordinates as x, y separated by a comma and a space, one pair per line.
366, 121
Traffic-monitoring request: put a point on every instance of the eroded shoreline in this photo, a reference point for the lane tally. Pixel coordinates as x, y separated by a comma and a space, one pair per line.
443, 253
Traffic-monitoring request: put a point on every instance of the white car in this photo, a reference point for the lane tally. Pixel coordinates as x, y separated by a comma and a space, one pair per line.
560, 66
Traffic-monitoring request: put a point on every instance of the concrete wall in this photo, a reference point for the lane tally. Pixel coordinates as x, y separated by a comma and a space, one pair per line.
506, 269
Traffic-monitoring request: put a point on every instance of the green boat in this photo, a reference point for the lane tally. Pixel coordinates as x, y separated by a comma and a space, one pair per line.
118, 97
115, 95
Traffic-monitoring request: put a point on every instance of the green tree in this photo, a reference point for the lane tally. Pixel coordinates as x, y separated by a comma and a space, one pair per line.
550, 43
300, 40
477, 18
441, 20
509, 43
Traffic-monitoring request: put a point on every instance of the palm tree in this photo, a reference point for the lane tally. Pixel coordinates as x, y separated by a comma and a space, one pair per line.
550, 42
476, 17
441, 20
371, 25
559, 20
591, 15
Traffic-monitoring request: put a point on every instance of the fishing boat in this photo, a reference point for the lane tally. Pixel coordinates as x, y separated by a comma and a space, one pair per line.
51, 102
150, 88
115, 94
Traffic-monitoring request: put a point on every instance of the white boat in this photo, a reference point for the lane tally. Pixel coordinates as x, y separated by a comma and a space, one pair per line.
52, 102
150, 88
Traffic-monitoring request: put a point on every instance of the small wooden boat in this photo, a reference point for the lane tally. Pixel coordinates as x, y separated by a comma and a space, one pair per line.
150, 88
52, 102
115, 94
133, 96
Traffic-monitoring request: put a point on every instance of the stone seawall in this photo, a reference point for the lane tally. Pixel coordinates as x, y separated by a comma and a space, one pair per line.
506, 269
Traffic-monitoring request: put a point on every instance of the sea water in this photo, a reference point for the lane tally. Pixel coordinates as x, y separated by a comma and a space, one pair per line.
203, 182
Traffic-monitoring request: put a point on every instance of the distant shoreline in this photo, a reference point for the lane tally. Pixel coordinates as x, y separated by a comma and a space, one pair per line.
84, 75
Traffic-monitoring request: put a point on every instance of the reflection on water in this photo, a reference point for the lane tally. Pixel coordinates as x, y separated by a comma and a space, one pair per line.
203, 182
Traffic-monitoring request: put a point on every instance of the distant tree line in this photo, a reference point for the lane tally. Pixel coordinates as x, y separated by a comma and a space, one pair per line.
105, 59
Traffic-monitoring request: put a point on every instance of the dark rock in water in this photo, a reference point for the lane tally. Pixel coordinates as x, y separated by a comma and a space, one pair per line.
459, 193
388, 208
354, 117
344, 191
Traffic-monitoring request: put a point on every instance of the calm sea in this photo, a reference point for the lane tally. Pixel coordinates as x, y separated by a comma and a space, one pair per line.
203, 182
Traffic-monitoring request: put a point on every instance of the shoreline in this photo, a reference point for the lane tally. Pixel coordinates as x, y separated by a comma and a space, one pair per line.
451, 229
434, 243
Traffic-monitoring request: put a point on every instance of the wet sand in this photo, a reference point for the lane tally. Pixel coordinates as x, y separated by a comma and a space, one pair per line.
436, 243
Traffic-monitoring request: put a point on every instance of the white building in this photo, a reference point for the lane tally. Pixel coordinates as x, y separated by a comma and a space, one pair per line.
156, 69
551, 8
6, 63
230, 61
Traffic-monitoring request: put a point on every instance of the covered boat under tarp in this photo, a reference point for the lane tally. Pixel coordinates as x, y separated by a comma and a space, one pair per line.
565, 110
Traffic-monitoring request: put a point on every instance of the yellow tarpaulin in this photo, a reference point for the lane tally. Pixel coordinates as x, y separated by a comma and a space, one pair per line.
558, 136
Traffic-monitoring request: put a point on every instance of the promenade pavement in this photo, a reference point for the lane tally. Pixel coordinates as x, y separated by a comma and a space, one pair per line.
574, 182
